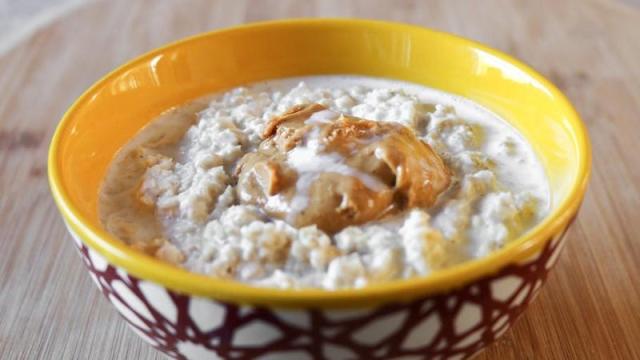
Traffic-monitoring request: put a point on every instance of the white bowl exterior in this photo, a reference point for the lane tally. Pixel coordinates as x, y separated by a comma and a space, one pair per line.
456, 325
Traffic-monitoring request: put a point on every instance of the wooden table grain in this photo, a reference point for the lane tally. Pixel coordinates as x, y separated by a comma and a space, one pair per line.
590, 308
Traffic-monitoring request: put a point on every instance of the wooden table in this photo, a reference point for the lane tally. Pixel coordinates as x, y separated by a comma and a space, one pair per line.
590, 308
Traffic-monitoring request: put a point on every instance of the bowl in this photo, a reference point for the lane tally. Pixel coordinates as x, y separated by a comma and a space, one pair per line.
451, 314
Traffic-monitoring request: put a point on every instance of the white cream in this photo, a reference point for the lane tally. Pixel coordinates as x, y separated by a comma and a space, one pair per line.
322, 117
307, 161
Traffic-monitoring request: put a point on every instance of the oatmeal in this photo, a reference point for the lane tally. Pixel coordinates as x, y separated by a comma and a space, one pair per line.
329, 182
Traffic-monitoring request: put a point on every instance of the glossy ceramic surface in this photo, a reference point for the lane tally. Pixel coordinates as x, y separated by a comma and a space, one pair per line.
453, 325
116, 107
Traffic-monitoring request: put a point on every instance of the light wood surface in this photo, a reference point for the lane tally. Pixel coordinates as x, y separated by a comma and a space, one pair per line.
590, 308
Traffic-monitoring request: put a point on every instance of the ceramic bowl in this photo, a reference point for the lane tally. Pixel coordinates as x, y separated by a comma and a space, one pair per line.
451, 314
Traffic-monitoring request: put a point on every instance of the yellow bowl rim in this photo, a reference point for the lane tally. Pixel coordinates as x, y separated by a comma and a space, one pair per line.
148, 268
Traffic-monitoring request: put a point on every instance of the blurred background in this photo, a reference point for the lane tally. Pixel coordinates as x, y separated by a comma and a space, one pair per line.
20, 18
52, 50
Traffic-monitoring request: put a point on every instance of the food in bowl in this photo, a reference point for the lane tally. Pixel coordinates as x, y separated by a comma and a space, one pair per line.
324, 181
450, 314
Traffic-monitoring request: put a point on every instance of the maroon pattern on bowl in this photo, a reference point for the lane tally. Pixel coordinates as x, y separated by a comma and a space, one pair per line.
455, 325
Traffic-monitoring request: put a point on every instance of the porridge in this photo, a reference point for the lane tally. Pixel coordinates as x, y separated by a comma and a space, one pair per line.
325, 181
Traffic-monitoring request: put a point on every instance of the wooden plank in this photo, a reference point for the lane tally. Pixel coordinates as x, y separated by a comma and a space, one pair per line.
590, 308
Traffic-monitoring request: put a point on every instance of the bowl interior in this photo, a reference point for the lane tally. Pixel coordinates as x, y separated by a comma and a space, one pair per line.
114, 109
